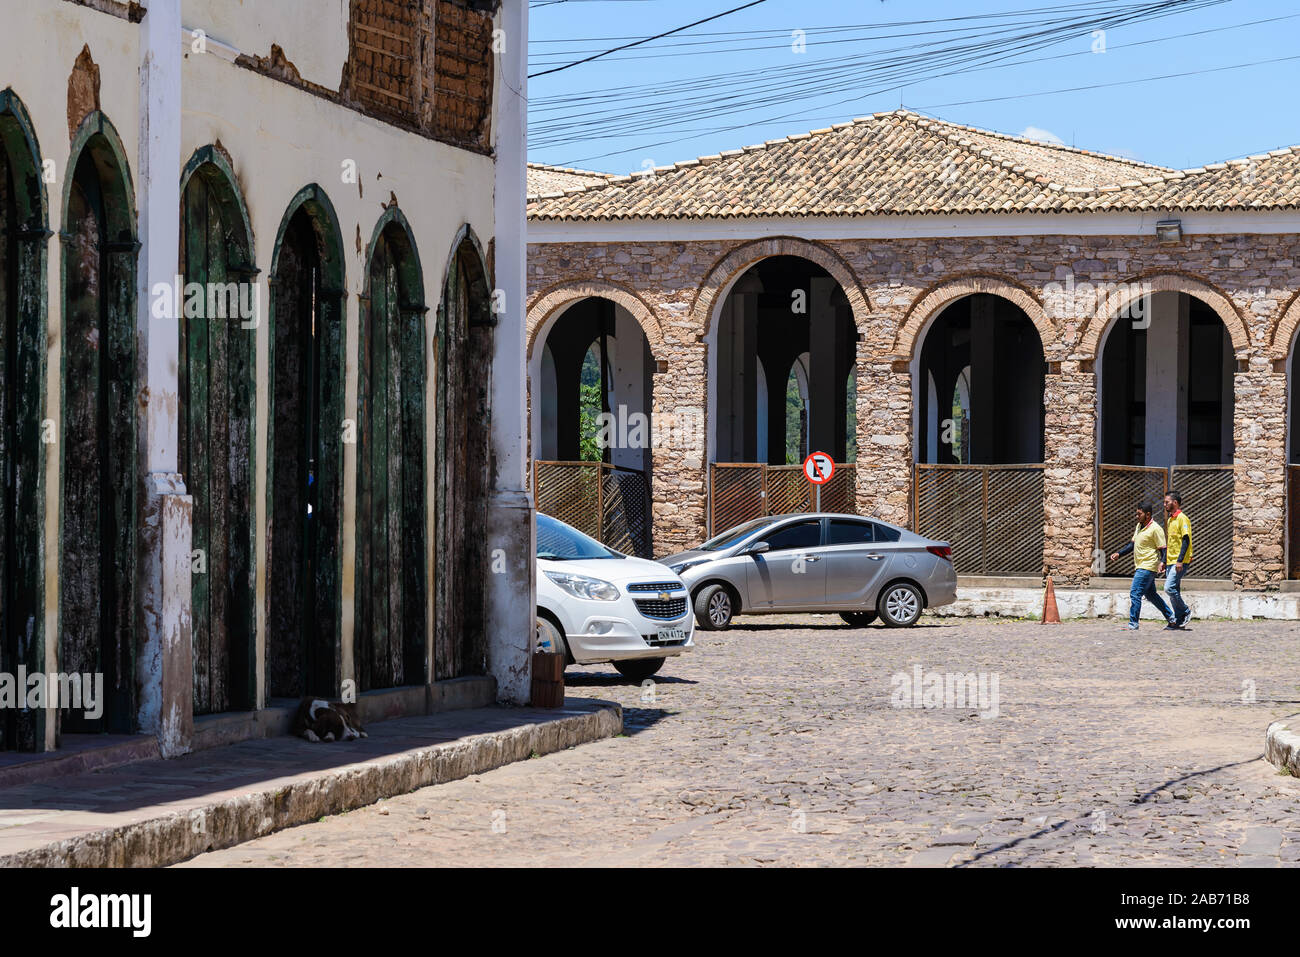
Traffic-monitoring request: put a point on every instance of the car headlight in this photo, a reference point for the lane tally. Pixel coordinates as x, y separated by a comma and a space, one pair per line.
580, 586
682, 566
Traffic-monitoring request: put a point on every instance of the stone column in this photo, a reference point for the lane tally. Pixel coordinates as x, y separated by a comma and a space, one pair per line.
164, 662
679, 475
1070, 474
1259, 487
884, 470
511, 590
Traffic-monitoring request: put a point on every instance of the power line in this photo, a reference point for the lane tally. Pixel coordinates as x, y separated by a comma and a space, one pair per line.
635, 43
663, 107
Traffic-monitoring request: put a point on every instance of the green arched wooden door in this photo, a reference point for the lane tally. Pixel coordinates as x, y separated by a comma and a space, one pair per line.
217, 329
97, 564
463, 364
23, 240
305, 452
391, 597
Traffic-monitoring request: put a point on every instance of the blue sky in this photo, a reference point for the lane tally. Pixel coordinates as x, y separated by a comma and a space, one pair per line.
1181, 122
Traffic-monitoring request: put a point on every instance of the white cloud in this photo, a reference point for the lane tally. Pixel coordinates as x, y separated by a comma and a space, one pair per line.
1043, 136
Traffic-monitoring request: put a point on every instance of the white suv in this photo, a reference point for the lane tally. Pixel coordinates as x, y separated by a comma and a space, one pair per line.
596, 605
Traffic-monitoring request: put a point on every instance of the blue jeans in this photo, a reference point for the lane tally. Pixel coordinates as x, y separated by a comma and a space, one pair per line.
1144, 586
1174, 589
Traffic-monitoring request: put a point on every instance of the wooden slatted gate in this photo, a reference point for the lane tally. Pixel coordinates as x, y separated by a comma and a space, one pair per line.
742, 491
992, 515
1207, 496
608, 502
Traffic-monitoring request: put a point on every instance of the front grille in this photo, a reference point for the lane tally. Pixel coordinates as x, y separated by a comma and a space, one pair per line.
655, 586
667, 610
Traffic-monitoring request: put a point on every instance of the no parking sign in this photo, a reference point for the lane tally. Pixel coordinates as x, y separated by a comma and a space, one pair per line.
818, 468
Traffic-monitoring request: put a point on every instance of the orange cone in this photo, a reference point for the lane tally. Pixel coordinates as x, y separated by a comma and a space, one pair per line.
1051, 615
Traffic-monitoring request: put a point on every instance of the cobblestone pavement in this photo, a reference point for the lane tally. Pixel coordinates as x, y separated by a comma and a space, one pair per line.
779, 742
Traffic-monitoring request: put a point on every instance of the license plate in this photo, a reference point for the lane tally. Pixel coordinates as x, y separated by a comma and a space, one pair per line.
671, 634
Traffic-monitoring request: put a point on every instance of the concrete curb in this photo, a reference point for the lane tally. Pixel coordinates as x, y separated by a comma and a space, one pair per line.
1282, 747
178, 836
1087, 603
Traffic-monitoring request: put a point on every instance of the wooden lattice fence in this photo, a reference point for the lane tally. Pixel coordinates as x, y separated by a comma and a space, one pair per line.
742, 491
991, 515
607, 502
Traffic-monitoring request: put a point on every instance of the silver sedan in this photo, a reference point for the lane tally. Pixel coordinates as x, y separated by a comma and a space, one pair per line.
862, 568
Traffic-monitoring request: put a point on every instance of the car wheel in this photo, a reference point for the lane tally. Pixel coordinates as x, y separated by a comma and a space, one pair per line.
900, 605
549, 638
714, 608
639, 669
858, 619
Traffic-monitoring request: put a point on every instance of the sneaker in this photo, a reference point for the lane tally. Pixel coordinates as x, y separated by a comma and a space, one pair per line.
1182, 623
1173, 626
1129, 628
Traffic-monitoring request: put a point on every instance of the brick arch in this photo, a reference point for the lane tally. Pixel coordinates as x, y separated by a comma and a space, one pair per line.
734, 264
1167, 282
949, 291
1280, 347
549, 301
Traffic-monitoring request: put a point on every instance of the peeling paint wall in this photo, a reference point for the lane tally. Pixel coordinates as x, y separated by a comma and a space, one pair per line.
279, 136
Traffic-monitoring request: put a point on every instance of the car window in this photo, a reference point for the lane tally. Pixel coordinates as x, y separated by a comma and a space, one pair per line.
733, 535
798, 535
843, 532
558, 542
886, 534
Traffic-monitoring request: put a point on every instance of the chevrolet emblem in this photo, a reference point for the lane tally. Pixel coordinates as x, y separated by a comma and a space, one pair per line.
664, 596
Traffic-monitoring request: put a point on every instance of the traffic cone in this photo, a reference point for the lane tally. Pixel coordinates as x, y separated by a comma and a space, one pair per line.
1051, 615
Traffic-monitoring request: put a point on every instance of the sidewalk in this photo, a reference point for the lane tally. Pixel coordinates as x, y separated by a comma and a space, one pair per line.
153, 813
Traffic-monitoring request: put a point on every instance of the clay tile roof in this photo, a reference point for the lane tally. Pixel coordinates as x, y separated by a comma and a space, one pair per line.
904, 163
557, 180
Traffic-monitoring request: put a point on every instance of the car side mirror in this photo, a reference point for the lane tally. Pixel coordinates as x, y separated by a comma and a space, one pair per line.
757, 548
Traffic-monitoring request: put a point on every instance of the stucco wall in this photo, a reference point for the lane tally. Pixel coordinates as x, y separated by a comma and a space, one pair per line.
279, 138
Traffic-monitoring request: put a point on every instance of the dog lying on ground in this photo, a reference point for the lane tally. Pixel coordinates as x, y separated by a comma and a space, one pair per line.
321, 720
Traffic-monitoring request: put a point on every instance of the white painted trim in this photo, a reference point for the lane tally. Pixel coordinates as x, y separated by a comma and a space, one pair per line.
912, 227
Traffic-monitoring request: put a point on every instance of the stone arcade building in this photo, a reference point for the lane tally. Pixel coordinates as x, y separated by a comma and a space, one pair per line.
261, 424
1008, 343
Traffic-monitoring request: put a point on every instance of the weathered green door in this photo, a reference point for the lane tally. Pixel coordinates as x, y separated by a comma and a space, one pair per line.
22, 350
97, 562
218, 315
304, 528
391, 515
463, 364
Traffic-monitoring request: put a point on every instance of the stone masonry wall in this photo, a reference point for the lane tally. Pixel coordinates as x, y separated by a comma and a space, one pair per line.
896, 286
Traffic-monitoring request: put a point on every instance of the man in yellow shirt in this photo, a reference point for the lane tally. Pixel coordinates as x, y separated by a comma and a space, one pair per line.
1148, 548
1178, 556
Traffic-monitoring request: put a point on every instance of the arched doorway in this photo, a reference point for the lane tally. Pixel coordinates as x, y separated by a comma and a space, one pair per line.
977, 383
97, 561
218, 321
391, 563
1165, 418
23, 238
784, 384
462, 467
593, 375
305, 451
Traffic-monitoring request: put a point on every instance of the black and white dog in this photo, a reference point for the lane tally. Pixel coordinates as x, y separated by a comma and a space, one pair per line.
321, 720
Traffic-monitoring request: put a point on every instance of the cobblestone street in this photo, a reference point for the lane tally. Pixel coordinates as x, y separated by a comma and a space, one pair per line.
779, 743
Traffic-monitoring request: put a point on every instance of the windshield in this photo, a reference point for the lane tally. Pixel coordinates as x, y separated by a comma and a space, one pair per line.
557, 542
733, 535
